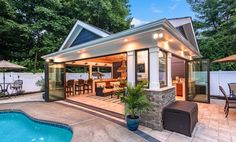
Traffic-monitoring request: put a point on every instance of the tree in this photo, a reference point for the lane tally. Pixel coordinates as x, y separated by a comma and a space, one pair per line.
32, 28
215, 26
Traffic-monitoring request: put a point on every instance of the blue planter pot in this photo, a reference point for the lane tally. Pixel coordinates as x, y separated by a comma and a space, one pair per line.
132, 123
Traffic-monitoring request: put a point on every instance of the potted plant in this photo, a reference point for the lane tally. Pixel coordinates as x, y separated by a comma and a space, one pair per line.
136, 102
41, 83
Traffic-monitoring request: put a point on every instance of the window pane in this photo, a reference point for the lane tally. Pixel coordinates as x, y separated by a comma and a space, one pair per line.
163, 68
142, 66
56, 82
77, 72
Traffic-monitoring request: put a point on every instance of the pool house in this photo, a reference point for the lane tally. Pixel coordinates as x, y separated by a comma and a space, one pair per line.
93, 64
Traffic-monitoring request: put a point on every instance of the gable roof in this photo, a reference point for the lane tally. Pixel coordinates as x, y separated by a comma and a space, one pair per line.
185, 27
112, 43
76, 31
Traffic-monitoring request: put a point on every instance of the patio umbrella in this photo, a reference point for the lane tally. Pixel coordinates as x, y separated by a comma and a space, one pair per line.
231, 58
4, 66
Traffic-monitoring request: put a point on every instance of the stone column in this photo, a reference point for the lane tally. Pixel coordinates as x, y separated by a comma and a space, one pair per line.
131, 67
159, 100
169, 76
154, 83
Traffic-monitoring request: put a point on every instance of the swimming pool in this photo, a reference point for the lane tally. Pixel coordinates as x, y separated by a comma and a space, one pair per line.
18, 127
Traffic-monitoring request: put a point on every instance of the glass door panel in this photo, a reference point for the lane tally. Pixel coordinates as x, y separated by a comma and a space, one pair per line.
198, 81
56, 82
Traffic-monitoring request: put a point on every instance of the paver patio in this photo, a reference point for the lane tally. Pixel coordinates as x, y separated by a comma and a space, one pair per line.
212, 125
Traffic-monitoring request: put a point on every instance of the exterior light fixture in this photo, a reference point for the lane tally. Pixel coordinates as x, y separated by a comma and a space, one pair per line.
161, 35
155, 36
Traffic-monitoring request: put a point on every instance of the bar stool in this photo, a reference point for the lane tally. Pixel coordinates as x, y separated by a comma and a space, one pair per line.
79, 87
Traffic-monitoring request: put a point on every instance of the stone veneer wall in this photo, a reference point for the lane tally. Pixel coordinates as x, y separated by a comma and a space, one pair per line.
159, 99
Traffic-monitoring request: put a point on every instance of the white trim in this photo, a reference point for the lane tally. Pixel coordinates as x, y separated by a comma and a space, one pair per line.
67, 38
183, 21
93, 29
131, 67
169, 75
81, 25
74, 37
154, 81
194, 36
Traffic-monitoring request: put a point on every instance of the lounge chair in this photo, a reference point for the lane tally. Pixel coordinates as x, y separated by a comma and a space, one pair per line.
228, 103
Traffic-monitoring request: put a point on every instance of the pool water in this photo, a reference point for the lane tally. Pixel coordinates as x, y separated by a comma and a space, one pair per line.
17, 127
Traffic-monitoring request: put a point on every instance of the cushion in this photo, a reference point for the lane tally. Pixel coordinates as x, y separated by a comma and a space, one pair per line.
103, 84
115, 84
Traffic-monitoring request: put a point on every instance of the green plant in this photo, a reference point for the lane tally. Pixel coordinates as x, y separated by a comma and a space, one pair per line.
41, 83
136, 100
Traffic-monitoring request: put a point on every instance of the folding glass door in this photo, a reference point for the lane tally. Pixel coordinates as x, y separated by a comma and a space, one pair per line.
54, 81
198, 81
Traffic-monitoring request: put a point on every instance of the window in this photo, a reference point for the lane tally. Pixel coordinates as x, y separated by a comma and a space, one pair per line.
84, 36
142, 67
163, 68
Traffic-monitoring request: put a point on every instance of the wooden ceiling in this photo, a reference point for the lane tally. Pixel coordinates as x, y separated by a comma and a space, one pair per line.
106, 59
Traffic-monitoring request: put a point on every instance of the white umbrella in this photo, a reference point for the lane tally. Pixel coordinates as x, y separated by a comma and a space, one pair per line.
4, 66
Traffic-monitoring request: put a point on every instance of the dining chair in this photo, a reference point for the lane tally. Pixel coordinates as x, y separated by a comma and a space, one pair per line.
232, 88
17, 86
228, 103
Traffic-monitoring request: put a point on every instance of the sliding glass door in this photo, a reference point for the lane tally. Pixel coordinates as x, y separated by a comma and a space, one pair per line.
198, 81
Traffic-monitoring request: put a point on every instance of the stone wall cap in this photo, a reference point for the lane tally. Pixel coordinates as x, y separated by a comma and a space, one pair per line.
161, 89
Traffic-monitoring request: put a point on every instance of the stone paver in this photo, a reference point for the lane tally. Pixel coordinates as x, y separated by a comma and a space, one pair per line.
86, 127
212, 126
24, 98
